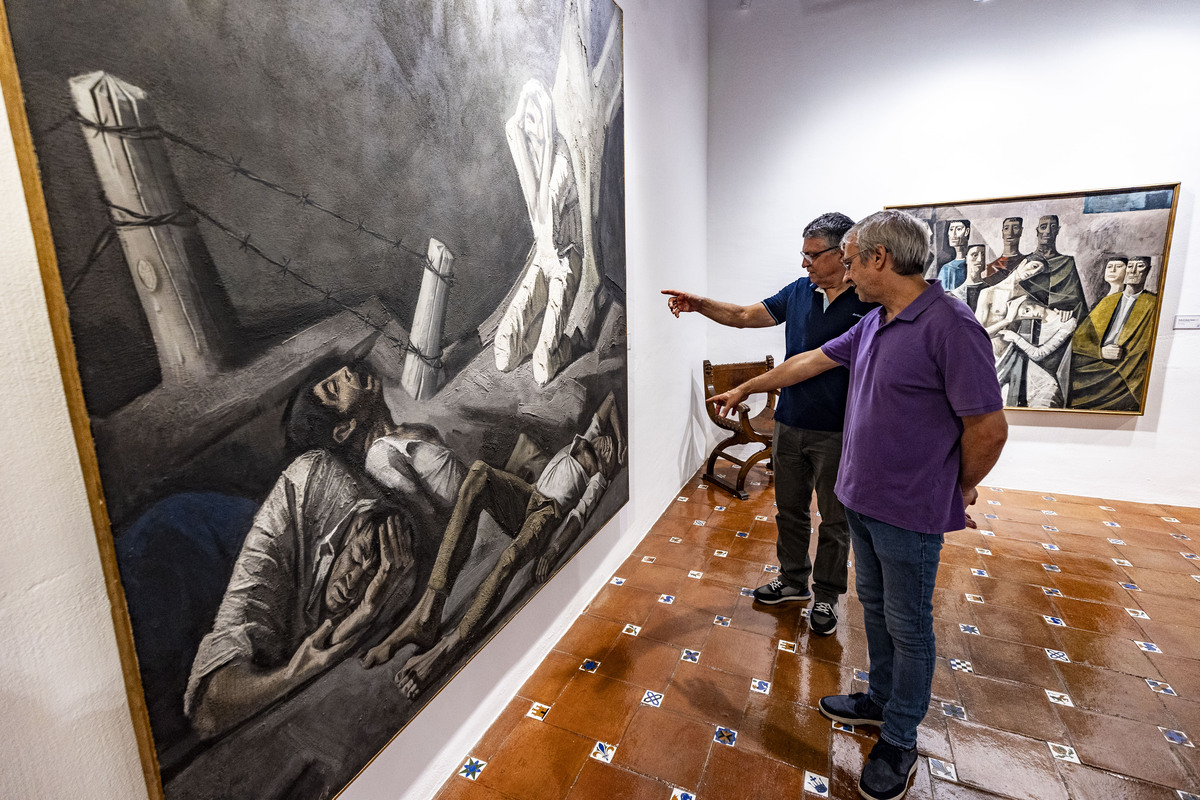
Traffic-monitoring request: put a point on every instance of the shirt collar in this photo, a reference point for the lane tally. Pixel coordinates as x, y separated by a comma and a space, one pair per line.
923, 301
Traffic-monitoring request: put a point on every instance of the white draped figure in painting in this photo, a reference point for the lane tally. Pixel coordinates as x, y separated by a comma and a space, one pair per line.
536, 320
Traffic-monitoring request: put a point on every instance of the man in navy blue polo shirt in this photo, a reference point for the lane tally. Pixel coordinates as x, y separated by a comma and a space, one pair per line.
807, 445
924, 425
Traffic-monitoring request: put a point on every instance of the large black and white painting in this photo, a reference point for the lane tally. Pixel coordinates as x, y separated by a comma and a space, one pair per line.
345, 286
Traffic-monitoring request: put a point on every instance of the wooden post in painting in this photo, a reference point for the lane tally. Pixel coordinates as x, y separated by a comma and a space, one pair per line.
156, 232
423, 371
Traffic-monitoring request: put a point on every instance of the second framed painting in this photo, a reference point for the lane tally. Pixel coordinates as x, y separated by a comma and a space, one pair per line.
1067, 286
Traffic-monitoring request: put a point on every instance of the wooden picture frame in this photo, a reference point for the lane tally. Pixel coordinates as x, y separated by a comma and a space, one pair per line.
1046, 274
339, 308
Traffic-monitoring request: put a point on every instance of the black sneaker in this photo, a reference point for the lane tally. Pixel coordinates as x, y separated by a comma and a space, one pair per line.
779, 592
852, 709
887, 772
822, 620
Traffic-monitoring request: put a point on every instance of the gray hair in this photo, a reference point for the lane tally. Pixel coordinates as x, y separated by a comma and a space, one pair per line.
907, 238
831, 227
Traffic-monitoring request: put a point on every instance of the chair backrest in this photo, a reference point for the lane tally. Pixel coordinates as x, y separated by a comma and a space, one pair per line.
720, 378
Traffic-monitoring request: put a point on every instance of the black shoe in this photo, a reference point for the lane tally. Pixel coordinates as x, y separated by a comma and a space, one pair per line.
852, 709
822, 620
779, 592
887, 772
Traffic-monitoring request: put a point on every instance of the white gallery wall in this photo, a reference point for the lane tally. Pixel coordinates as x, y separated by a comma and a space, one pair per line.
852, 105
67, 730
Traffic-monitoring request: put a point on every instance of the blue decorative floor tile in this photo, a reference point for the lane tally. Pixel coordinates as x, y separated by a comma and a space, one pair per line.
1137, 613
1147, 647
725, 736
653, 699
1161, 687
954, 710
843, 727
983, 551
961, 665
682, 794
1048, 545
943, 769
1133, 587
617, 581
666, 598
993, 502
1051, 568
681, 499
720, 553
862, 675
692, 656
990, 516
1183, 537
762, 518
804, 612
786, 646
1186, 795
760, 686
971, 629
718, 508
994, 489
471, 769
974, 598
982, 573
537, 711
1051, 591
1054, 620
699, 522
603, 751
1063, 752
1196, 578
1121, 562
1057, 655
695, 574
816, 785
746, 592
721, 620
1111, 524
771, 568
1049, 513
1190, 556
647, 559
590, 665
631, 630
983, 532
1116, 541
1176, 737
1058, 698
1051, 498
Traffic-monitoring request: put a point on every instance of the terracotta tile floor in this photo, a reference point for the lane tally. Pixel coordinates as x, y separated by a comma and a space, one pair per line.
1068, 648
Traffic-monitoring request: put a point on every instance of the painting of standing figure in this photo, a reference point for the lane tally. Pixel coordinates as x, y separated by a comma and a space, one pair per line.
339, 295
1067, 286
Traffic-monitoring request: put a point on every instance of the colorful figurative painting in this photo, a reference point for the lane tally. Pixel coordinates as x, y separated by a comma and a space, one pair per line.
339, 296
1068, 287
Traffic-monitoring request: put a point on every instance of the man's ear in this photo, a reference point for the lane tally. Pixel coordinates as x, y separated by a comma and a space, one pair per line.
342, 431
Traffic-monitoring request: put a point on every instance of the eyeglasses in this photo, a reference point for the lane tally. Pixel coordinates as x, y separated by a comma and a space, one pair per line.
811, 257
848, 262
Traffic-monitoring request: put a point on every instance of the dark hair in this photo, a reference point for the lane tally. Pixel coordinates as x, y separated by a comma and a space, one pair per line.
1142, 258
830, 226
1014, 219
307, 422
966, 222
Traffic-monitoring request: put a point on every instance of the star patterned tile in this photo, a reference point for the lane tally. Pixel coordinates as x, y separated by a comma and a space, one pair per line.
691, 656
603, 751
725, 736
943, 770
1058, 698
1057, 655
961, 665
589, 665
1147, 647
971, 629
652, 699
471, 768
537, 711
746, 592
1176, 737
954, 711
1161, 687
814, 784
1063, 752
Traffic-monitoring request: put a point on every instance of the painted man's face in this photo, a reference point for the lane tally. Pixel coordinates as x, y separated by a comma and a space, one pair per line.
1136, 273
346, 390
975, 263
1047, 231
353, 569
1011, 230
1114, 271
957, 234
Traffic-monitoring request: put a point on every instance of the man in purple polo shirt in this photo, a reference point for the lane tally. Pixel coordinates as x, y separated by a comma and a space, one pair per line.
924, 425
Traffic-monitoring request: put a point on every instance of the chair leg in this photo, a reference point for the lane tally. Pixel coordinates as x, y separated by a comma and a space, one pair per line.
711, 476
749, 464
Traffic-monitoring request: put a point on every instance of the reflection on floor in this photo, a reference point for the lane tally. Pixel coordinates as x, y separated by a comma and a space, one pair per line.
1069, 667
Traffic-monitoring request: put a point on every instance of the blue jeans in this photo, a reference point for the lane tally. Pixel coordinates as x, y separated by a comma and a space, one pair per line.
805, 460
895, 573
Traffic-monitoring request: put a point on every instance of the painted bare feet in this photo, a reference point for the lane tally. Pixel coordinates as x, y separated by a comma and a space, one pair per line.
420, 628
421, 670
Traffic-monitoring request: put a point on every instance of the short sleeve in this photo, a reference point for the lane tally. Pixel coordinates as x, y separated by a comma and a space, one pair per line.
969, 369
841, 349
777, 304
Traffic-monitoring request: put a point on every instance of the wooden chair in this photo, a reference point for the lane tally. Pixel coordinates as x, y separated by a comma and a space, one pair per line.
744, 429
